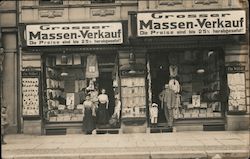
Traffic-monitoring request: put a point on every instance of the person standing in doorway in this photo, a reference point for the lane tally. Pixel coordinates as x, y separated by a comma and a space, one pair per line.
102, 111
168, 99
88, 115
153, 114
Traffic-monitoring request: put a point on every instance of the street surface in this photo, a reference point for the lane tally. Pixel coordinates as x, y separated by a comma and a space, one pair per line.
190, 144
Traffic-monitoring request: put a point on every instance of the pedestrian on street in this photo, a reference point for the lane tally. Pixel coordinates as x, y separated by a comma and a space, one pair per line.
4, 123
168, 99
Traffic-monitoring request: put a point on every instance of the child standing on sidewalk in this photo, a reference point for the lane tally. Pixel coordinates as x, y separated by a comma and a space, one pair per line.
4, 123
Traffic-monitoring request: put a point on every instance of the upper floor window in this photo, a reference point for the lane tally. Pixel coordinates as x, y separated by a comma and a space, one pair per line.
102, 1
205, 2
170, 2
51, 2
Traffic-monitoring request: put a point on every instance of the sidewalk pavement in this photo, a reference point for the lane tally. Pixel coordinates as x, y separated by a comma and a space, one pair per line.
193, 145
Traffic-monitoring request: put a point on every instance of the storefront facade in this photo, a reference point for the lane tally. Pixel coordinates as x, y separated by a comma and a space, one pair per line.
197, 63
132, 49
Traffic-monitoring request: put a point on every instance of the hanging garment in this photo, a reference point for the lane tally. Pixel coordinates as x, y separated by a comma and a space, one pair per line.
174, 85
92, 70
91, 86
114, 120
177, 106
173, 70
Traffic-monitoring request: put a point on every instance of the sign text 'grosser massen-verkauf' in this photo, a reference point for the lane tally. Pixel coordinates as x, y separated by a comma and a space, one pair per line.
74, 34
191, 23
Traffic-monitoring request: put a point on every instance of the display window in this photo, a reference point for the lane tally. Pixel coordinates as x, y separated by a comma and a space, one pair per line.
70, 78
133, 87
189, 83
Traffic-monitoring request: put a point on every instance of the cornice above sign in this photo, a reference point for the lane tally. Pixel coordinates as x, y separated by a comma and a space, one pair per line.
103, 12
51, 13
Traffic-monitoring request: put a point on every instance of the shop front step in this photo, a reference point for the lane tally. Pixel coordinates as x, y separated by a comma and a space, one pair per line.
161, 130
107, 131
214, 127
55, 131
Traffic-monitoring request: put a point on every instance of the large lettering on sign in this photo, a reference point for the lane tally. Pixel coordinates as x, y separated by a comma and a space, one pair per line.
74, 34
191, 23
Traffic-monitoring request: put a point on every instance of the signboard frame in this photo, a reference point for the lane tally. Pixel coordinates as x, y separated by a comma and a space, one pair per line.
182, 17
122, 23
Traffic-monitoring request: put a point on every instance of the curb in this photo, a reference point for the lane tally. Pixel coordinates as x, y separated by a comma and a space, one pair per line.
225, 154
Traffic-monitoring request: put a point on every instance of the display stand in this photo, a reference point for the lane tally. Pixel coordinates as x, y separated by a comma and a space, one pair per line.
237, 90
31, 102
133, 98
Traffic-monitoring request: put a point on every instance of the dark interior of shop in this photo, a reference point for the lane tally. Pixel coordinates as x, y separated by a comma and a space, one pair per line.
200, 74
159, 73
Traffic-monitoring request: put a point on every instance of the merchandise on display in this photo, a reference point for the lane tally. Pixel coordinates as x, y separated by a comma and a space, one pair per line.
30, 91
173, 70
133, 96
200, 93
237, 96
92, 70
64, 94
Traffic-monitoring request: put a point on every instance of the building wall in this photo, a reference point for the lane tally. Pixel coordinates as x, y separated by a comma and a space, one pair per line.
68, 12
239, 53
188, 4
9, 37
32, 12
75, 11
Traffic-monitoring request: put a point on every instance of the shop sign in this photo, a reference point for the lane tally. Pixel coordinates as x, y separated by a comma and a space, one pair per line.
30, 73
74, 34
235, 68
191, 23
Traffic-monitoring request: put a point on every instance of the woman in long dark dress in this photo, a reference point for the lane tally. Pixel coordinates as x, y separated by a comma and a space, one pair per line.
102, 111
88, 116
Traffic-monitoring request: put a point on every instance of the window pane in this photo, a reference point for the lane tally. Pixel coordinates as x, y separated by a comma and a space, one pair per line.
102, 1
51, 2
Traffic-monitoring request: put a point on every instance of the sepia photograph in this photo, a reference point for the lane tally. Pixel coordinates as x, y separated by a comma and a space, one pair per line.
125, 79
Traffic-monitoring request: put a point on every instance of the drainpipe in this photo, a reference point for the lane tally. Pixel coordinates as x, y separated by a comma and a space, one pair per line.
19, 84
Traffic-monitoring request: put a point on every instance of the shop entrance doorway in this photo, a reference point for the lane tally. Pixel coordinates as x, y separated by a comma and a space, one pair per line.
105, 82
106, 65
159, 64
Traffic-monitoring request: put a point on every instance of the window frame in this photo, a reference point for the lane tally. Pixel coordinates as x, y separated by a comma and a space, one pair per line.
50, 2
102, 1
